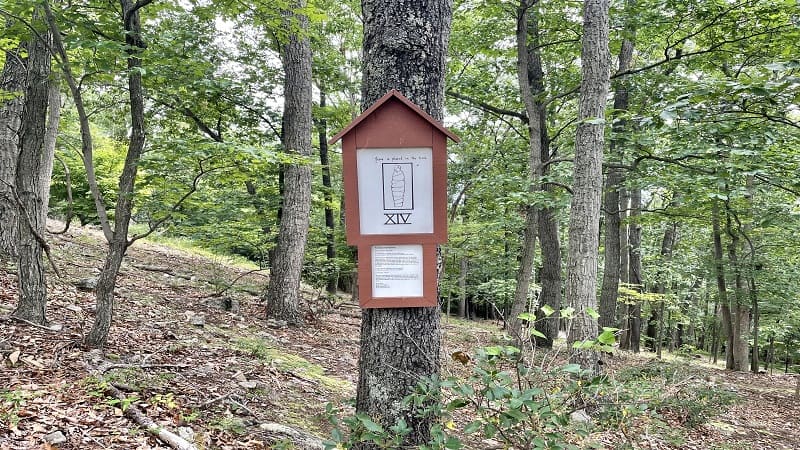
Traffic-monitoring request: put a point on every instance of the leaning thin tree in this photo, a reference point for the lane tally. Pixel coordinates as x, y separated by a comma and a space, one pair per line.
405, 46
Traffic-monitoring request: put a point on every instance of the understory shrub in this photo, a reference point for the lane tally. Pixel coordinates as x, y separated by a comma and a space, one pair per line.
516, 404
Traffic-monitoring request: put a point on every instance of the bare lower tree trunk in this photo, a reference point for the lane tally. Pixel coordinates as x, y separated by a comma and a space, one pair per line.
722, 289
550, 278
405, 46
584, 218
28, 185
283, 295
739, 308
51, 133
12, 82
616, 252
529, 78
634, 320
330, 223
610, 287
462, 286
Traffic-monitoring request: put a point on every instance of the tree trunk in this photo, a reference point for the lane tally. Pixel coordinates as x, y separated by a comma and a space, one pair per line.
404, 47
550, 278
283, 295
610, 287
613, 226
87, 147
330, 223
529, 75
756, 318
651, 330
51, 134
119, 243
584, 217
30, 220
656, 323
634, 319
616, 257
12, 81
462, 286
624, 268
739, 308
722, 289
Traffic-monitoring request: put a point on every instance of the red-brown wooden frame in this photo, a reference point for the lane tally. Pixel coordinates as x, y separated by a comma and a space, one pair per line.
395, 122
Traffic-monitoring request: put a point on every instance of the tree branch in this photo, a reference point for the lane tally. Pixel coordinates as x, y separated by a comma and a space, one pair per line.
487, 107
186, 111
39, 239
195, 183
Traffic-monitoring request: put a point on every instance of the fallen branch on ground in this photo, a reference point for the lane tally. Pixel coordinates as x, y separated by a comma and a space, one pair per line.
300, 439
133, 413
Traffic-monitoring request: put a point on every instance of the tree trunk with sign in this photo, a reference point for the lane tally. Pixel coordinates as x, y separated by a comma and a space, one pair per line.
405, 45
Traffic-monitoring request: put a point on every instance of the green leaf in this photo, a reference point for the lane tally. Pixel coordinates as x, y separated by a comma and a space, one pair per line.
547, 310
527, 316
538, 333
472, 427
457, 403
572, 368
593, 313
607, 337
668, 115
369, 424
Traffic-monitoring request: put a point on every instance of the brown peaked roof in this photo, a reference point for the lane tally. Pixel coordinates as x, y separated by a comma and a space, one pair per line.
394, 93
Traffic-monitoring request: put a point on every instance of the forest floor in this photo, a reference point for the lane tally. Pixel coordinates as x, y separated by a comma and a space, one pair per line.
221, 377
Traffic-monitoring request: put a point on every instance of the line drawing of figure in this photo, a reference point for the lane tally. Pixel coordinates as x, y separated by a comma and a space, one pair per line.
398, 186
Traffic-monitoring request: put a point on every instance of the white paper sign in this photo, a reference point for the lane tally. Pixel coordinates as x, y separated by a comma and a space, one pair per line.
397, 271
395, 190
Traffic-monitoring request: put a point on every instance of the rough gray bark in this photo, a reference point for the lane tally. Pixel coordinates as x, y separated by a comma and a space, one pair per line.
283, 295
12, 81
584, 218
118, 243
28, 186
529, 77
405, 46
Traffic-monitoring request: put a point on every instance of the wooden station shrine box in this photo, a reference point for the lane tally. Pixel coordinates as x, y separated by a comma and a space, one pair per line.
394, 164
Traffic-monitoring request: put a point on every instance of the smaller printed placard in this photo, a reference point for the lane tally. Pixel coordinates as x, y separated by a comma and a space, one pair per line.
397, 271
